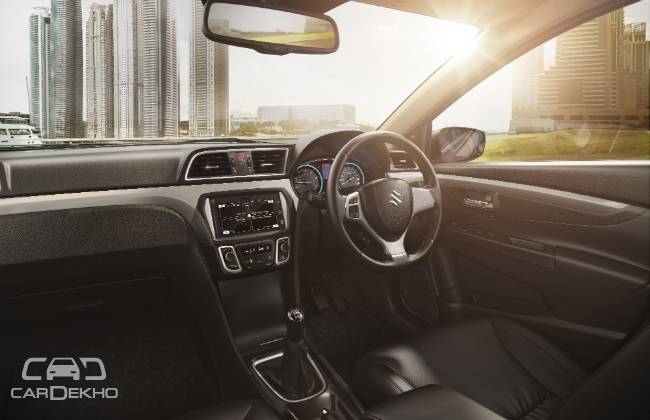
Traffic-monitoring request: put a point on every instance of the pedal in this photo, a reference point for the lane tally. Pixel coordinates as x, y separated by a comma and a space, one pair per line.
320, 300
338, 301
317, 294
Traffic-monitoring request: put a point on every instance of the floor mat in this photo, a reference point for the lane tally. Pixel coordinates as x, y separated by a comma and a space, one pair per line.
152, 361
344, 331
343, 337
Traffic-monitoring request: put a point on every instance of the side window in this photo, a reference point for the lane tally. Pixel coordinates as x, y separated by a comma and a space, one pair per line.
581, 96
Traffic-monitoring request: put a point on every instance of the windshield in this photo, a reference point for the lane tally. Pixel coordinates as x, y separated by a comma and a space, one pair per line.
132, 70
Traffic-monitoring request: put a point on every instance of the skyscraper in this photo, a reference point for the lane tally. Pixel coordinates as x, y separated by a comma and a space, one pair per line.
39, 46
158, 69
525, 72
146, 69
99, 72
586, 61
209, 113
636, 58
126, 75
66, 70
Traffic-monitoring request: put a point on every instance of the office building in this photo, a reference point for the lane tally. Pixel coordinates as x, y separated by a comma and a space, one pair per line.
126, 77
99, 72
146, 69
342, 114
208, 81
636, 59
39, 46
158, 69
525, 75
66, 70
591, 83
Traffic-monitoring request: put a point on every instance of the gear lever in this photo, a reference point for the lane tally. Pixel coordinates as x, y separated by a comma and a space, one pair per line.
297, 376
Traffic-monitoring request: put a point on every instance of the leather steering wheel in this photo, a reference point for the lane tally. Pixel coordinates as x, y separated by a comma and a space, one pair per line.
386, 207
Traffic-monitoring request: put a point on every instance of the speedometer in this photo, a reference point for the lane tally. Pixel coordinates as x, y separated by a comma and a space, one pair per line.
308, 179
351, 178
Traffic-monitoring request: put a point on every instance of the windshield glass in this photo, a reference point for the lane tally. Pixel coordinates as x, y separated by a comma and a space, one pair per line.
130, 70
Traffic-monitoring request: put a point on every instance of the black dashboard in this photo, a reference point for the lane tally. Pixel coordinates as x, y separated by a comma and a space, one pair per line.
239, 197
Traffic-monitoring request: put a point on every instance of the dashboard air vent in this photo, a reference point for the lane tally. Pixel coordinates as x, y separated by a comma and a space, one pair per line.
209, 165
269, 161
400, 161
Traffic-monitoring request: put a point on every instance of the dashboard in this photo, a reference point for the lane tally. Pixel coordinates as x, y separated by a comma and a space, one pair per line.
240, 197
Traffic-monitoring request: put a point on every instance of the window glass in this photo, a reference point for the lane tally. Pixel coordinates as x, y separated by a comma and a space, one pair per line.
19, 132
581, 96
141, 71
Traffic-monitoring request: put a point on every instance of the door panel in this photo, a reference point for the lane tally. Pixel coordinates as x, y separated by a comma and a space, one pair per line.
571, 265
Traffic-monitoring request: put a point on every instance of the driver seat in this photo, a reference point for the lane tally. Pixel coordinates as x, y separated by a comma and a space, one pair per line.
510, 370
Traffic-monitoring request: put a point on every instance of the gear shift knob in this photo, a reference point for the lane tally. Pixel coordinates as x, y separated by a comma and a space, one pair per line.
295, 318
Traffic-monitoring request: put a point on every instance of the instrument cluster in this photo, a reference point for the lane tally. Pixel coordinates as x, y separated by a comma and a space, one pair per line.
311, 177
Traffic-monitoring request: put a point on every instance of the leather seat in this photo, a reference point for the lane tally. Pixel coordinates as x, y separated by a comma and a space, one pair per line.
503, 366
236, 410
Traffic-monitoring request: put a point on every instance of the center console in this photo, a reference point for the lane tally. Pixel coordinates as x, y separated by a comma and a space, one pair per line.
252, 237
250, 231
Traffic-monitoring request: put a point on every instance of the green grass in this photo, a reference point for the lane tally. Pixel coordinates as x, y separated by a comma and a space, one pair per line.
583, 144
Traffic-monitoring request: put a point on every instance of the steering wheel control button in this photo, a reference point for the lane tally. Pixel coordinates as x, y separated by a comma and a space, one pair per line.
229, 259
354, 211
282, 251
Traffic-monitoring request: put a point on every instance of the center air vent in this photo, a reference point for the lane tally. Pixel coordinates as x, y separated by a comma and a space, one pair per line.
401, 161
209, 165
269, 161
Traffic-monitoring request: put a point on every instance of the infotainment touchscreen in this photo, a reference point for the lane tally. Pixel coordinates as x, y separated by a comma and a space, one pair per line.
251, 214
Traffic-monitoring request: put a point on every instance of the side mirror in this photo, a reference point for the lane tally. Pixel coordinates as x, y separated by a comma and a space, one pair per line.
456, 144
269, 29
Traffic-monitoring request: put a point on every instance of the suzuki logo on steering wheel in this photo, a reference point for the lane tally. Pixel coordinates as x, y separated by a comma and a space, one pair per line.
396, 200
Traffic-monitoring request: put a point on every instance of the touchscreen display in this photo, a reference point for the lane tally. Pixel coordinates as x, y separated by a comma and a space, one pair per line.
247, 215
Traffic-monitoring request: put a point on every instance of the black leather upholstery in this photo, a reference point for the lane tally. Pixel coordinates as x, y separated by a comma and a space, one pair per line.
505, 367
236, 410
430, 402
619, 389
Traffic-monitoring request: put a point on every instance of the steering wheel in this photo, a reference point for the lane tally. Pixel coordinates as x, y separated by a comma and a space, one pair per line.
385, 207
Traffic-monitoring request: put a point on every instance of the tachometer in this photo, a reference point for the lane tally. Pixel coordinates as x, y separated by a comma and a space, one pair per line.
308, 179
351, 178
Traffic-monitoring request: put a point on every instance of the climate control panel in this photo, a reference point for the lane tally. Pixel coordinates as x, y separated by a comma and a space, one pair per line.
256, 256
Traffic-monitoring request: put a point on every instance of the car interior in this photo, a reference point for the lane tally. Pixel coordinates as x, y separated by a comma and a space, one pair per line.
236, 280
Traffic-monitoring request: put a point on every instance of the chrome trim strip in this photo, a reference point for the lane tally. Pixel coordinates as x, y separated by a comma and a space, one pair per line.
259, 361
207, 209
604, 162
284, 166
223, 263
277, 250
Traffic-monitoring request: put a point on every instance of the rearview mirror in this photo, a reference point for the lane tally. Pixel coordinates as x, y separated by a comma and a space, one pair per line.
456, 144
269, 29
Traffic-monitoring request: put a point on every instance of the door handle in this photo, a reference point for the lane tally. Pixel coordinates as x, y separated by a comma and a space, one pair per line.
479, 200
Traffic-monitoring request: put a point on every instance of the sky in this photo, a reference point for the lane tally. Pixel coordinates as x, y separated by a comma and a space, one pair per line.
383, 56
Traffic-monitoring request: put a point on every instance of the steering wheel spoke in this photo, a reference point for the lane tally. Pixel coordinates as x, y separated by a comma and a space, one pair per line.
395, 250
423, 199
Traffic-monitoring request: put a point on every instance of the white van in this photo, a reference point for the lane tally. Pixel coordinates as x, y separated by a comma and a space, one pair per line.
18, 135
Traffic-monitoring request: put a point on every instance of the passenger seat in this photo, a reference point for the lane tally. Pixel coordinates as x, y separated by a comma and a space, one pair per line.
236, 410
